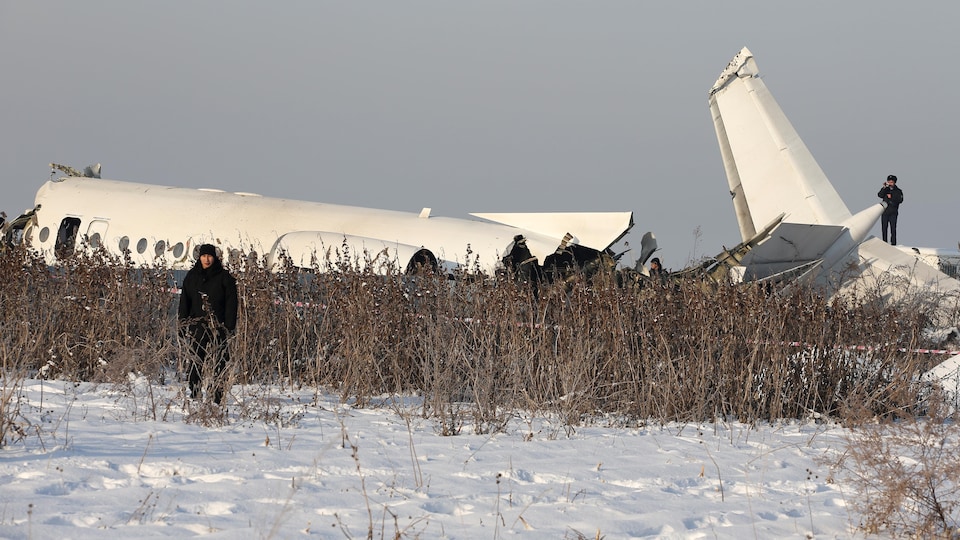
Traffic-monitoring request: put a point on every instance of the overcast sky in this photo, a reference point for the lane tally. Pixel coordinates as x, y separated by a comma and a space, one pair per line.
480, 107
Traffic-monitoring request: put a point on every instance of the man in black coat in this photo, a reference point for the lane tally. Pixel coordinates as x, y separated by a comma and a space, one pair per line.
892, 197
208, 316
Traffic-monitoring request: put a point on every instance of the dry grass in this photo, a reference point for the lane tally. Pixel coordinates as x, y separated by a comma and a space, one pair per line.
478, 349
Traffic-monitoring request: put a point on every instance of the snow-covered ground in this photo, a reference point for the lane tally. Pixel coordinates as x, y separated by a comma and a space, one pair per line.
96, 464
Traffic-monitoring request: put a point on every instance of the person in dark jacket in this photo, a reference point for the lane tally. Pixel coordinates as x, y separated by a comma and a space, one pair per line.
208, 316
892, 196
657, 274
656, 269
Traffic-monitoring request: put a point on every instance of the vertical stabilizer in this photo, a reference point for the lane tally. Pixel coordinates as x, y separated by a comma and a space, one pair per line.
769, 169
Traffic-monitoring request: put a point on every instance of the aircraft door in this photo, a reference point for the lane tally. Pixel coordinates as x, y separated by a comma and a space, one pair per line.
97, 233
67, 237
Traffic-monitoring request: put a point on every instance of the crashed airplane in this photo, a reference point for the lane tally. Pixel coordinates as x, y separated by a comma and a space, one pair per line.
811, 237
164, 225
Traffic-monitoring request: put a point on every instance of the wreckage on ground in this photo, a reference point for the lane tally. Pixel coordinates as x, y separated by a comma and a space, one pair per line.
794, 226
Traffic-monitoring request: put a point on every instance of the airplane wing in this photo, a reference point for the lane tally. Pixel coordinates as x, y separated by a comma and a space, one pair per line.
596, 230
769, 168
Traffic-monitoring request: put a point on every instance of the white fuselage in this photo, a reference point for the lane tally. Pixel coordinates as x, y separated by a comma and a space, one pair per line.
163, 225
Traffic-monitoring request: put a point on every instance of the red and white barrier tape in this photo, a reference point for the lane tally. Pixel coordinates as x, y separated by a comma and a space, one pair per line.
880, 348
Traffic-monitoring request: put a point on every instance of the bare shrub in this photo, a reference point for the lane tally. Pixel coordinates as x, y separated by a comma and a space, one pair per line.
904, 474
12, 429
72, 320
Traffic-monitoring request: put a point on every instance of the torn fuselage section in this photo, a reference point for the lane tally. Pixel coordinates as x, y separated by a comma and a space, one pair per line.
13, 231
568, 260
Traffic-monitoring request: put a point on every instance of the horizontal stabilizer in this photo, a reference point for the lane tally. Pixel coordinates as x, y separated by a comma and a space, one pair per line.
788, 246
796, 275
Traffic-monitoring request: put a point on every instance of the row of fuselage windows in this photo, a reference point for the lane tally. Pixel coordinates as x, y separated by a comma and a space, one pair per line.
67, 239
70, 227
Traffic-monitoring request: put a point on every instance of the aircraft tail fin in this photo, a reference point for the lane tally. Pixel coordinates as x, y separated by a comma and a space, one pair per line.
769, 168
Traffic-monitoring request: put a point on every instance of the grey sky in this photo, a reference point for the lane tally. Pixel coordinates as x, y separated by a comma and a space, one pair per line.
480, 107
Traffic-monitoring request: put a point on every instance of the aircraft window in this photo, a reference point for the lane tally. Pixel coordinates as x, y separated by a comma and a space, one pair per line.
142, 245
124, 244
44, 234
95, 240
67, 236
178, 250
159, 248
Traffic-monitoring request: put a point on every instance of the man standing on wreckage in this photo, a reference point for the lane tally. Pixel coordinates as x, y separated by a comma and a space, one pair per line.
208, 316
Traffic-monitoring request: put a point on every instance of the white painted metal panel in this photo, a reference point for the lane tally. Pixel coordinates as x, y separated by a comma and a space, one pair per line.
150, 214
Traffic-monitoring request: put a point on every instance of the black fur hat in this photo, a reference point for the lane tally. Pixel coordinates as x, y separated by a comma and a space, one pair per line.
207, 249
